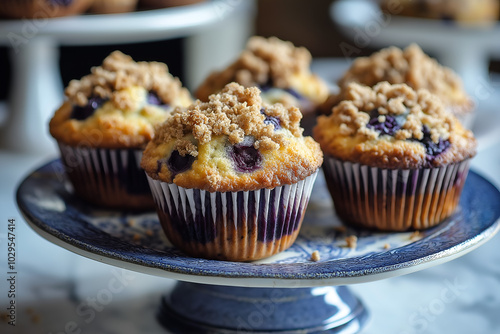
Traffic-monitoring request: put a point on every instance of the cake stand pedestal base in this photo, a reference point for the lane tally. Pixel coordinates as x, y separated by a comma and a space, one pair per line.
208, 309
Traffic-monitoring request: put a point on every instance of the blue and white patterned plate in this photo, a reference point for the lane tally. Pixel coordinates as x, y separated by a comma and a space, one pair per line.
136, 241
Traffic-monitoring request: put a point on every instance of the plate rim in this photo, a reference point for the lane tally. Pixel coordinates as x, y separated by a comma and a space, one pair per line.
243, 278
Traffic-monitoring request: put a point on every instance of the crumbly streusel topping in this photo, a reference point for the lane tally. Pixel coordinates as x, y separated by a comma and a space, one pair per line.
411, 66
351, 241
315, 256
235, 112
119, 71
418, 107
393, 127
264, 61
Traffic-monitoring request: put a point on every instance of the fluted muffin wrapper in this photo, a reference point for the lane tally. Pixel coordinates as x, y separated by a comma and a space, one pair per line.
110, 178
394, 199
233, 226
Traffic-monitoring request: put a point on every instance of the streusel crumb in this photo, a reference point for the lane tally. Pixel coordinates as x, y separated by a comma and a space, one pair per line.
264, 61
394, 100
351, 241
236, 113
412, 67
415, 236
315, 257
118, 72
393, 126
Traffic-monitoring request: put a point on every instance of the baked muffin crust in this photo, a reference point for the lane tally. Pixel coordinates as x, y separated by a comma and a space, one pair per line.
410, 66
233, 142
121, 101
269, 62
393, 127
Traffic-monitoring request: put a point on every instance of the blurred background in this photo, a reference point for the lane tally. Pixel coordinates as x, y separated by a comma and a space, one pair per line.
304, 23
54, 279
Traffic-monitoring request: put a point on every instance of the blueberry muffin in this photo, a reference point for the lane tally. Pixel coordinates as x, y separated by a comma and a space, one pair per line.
278, 68
470, 12
394, 158
413, 67
232, 177
40, 9
105, 123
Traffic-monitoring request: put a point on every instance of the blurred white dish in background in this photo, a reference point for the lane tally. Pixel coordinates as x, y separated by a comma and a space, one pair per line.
465, 49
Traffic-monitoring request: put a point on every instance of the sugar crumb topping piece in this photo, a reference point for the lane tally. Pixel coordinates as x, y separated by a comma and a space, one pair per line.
415, 236
119, 71
315, 257
264, 61
351, 241
418, 108
279, 59
411, 66
234, 112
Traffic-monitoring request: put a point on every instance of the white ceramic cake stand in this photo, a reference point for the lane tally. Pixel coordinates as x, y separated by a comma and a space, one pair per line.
464, 48
287, 293
216, 31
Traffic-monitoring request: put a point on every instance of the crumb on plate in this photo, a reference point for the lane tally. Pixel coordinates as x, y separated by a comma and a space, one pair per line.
315, 256
351, 241
415, 235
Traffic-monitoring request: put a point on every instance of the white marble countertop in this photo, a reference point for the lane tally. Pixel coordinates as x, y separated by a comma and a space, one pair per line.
55, 286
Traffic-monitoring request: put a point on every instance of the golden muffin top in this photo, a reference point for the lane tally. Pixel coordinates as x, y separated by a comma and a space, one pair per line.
394, 127
275, 66
118, 104
410, 66
233, 142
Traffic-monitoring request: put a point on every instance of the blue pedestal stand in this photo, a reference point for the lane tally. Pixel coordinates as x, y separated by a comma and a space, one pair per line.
209, 309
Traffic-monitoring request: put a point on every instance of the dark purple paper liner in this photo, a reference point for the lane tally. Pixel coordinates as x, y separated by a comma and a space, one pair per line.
233, 226
110, 178
394, 200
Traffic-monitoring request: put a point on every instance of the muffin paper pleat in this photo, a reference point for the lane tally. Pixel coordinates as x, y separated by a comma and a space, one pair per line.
394, 200
236, 226
107, 177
